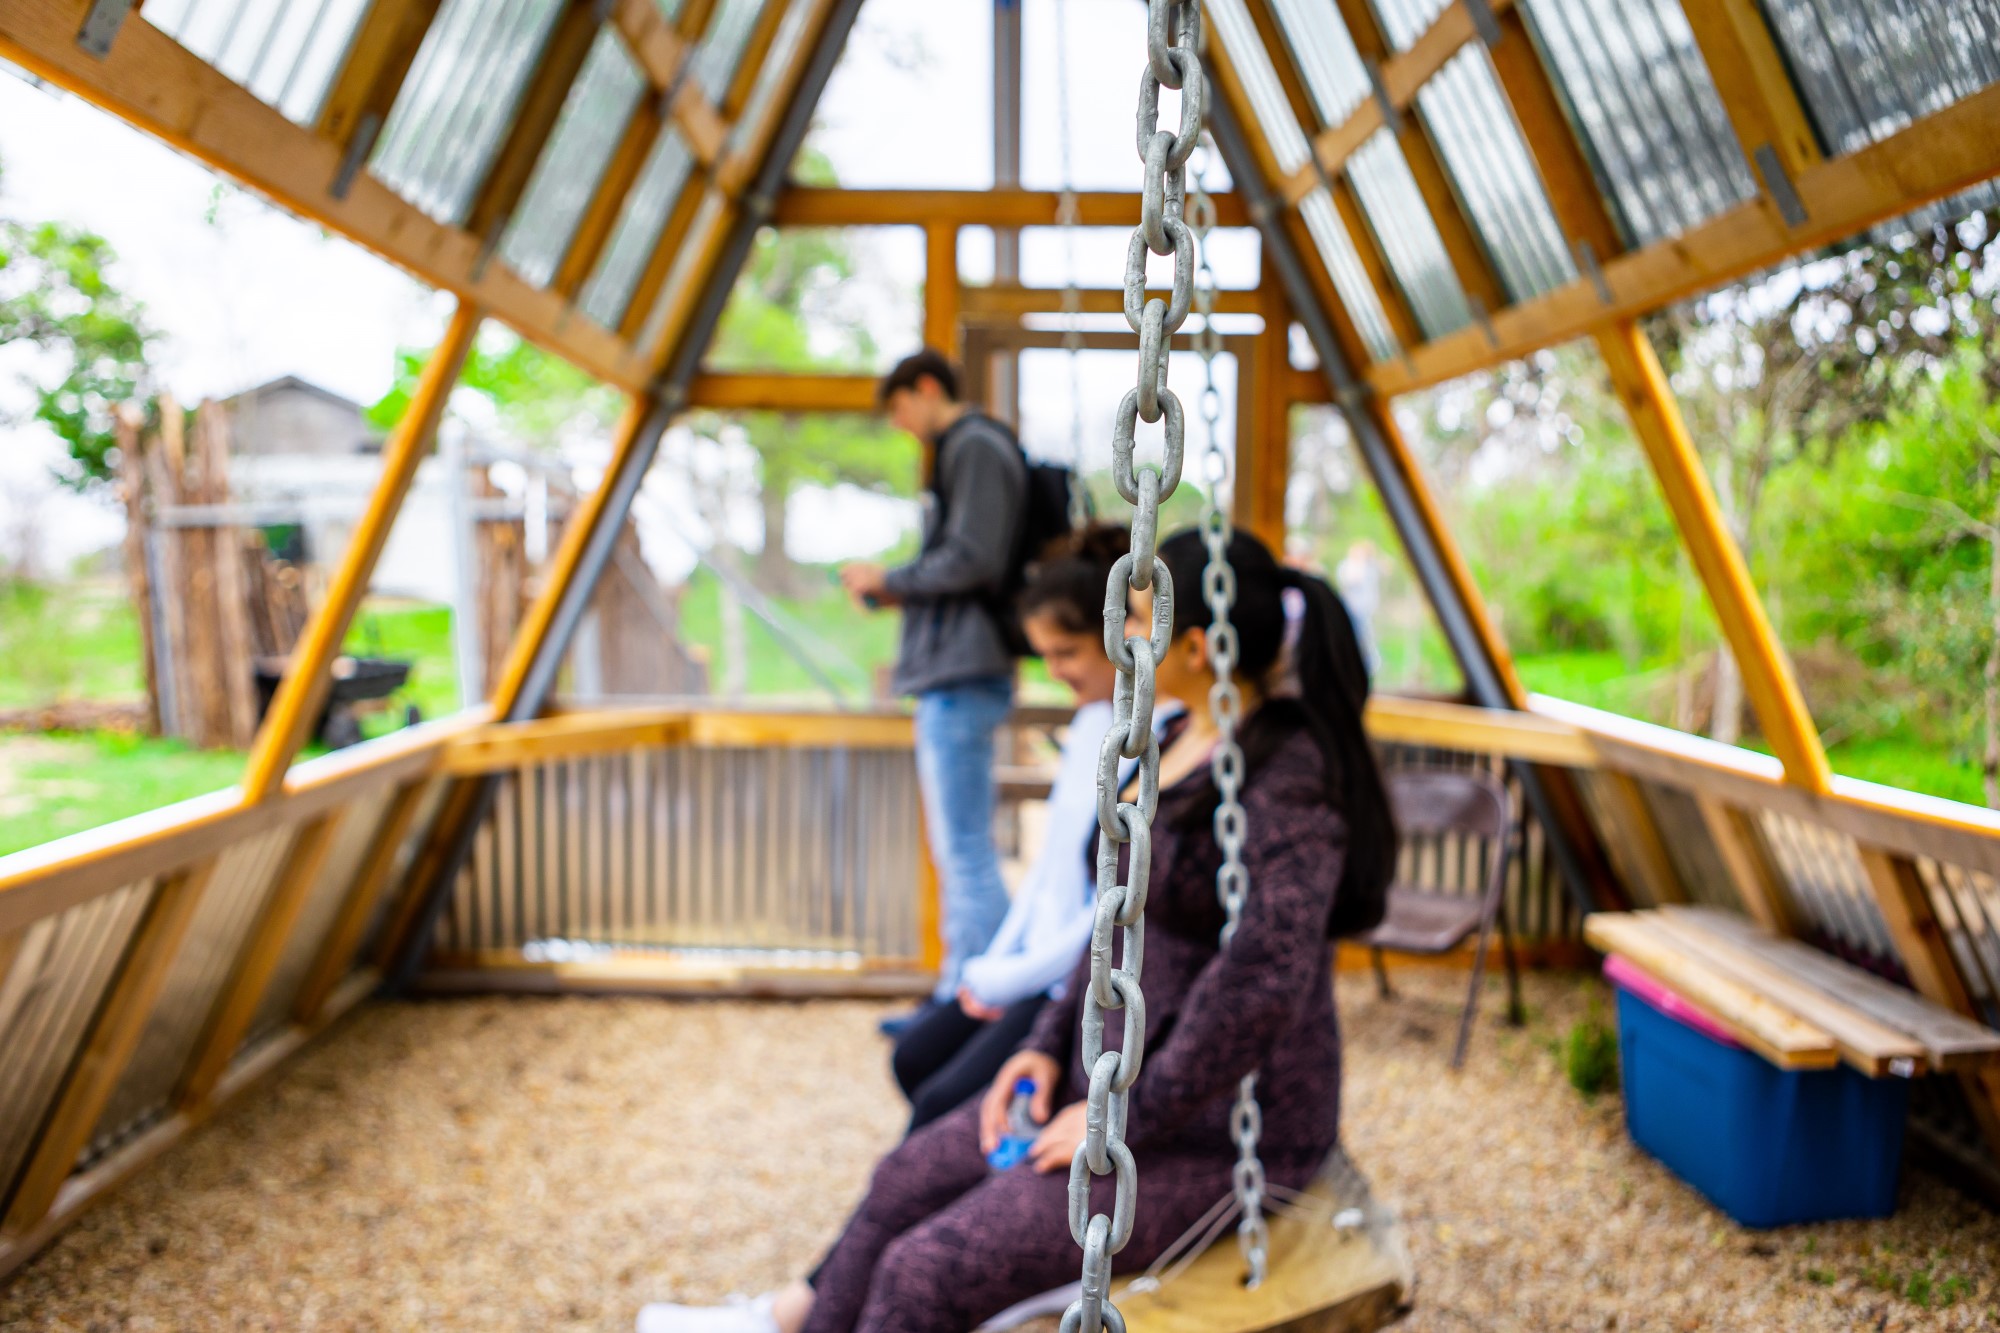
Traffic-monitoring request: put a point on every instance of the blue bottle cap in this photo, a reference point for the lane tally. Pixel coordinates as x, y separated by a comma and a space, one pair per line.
1024, 1085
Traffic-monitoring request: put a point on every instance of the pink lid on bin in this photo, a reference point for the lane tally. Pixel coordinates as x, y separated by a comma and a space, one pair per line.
1629, 976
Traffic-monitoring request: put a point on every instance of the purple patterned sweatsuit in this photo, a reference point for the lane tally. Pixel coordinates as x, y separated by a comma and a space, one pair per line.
942, 1242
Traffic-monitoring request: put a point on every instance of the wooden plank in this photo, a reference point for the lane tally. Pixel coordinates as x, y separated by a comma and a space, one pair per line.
817, 731
1949, 1040
1913, 925
563, 53
823, 206
1321, 1279
1559, 156
1264, 448
1332, 147
263, 947
1644, 855
1934, 156
86, 1188
1449, 726
747, 392
155, 84
651, 39
511, 745
1867, 1044
337, 952
289, 720
378, 60
941, 327
114, 1035
1767, 670
700, 124
1010, 301
660, 263
1759, 1023
1740, 844
755, 51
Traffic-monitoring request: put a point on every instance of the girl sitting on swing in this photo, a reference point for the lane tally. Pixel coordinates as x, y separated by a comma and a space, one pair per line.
942, 1241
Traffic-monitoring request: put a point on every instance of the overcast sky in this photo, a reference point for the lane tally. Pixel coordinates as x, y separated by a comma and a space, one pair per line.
245, 293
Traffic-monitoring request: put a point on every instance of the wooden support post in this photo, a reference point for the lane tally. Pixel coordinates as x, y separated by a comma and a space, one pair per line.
561, 568
941, 324
295, 708
262, 949
1263, 437
371, 880
114, 1034
1740, 844
1767, 672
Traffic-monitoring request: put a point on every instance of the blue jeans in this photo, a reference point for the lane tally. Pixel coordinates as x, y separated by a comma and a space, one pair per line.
955, 772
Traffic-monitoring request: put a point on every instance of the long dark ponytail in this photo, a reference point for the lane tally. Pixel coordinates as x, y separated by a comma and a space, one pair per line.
1332, 688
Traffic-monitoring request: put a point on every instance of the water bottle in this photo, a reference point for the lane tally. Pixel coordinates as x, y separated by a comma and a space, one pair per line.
1021, 1128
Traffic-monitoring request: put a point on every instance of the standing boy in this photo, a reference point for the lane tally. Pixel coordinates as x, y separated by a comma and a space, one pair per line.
955, 653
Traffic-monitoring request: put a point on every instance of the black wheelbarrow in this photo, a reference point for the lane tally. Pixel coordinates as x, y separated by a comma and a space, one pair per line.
357, 681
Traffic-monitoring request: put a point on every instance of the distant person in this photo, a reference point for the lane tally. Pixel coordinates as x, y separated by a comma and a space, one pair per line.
952, 1051
1359, 578
957, 653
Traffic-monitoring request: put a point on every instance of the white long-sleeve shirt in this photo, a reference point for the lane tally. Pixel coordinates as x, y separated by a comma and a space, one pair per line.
1048, 924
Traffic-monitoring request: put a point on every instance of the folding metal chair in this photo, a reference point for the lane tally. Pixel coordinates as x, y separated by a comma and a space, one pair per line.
1431, 802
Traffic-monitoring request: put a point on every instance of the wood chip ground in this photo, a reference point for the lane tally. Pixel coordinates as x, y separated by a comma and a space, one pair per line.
531, 1164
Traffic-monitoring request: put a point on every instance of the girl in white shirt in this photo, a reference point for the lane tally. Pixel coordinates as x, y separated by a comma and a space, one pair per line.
951, 1050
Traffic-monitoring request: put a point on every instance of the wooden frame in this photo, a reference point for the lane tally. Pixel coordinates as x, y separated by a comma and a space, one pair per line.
820, 206
295, 707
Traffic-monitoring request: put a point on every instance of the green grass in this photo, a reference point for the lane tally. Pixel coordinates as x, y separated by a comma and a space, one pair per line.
70, 641
418, 633
51, 786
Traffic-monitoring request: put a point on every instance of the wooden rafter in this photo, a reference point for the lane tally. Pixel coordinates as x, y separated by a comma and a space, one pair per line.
378, 60
1938, 155
296, 705
819, 206
1756, 91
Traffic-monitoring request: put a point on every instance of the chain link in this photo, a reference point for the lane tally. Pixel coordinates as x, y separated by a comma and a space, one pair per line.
1225, 705
1173, 39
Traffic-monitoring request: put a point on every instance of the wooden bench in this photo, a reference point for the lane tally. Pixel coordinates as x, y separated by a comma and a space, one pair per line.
1797, 1007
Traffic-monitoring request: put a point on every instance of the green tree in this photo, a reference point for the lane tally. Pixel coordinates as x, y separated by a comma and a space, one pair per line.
57, 296
536, 395
782, 317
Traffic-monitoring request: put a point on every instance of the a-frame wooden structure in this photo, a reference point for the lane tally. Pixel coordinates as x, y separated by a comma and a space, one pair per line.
1437, 187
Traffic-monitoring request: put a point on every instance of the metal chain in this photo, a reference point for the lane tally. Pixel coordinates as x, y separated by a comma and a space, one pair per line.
1225, 706
1067, 218
1173, 38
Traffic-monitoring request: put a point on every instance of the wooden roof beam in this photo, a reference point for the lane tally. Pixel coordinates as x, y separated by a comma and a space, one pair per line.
378, 60
820, 206
1938, 155
1401, 74
152, 82
1764, 109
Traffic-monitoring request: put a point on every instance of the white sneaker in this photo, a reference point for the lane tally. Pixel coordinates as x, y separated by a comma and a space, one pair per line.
740, 1315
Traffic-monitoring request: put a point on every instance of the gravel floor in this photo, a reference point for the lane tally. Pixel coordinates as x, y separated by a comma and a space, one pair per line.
550, 1164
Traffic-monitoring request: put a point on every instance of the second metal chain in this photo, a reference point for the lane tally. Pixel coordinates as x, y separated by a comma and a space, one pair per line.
1173, 39
1225, 706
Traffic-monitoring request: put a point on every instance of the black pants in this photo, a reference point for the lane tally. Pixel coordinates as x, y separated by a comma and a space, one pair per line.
946, 1056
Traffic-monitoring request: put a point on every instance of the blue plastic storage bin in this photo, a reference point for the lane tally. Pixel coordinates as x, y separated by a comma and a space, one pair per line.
1768, 1146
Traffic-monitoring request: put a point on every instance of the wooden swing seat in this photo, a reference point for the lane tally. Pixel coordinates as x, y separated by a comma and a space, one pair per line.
1322, 1279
